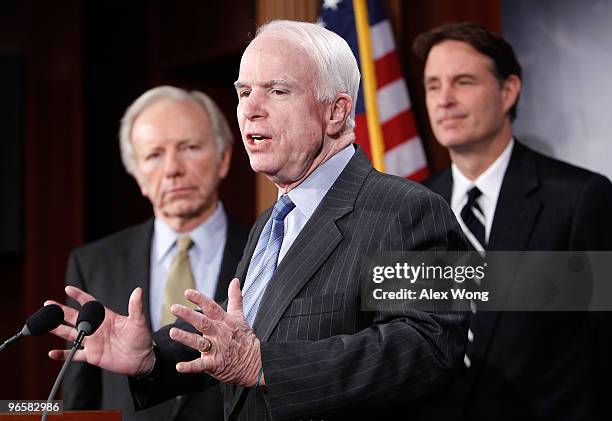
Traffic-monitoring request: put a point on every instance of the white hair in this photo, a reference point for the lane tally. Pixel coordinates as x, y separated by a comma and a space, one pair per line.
221, 131
336, 66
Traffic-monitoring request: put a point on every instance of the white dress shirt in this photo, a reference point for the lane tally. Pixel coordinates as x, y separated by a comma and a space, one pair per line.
489, 183
309, 193
205, 257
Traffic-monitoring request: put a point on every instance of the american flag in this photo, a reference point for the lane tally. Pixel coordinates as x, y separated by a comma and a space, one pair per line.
401, 144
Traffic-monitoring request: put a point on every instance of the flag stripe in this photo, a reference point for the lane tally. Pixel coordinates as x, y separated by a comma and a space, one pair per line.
392, 100
398, 129
388, 69
382, 39
406, 158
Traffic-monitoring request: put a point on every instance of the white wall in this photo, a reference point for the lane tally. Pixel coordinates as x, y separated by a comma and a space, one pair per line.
565, 48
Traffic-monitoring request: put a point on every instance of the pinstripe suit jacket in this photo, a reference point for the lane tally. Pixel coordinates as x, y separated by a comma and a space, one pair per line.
322, 356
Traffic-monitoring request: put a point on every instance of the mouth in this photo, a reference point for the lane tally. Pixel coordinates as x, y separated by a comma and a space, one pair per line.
255, 139
179, 191
451, 119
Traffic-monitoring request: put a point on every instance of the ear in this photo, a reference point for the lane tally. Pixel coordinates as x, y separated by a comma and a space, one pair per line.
338, 112
511, 89
224, 162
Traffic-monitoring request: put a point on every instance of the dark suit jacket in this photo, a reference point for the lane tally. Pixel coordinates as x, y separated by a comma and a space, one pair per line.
322, 356
110, 269
538, 365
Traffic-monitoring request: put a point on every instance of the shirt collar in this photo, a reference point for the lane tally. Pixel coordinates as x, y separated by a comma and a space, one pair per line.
204, 236
309, 193
489, 182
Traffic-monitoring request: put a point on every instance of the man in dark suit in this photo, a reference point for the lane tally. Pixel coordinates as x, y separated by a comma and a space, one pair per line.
177, 145
298, 344
518, 365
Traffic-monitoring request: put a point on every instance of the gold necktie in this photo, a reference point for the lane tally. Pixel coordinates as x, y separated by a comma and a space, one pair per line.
178, 280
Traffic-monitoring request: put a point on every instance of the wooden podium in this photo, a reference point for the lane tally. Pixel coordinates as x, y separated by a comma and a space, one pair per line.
68, 416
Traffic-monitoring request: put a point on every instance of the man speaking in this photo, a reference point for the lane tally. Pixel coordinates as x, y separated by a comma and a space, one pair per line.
293, 341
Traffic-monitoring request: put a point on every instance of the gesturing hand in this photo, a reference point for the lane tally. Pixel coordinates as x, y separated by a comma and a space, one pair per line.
121, 344
229, 349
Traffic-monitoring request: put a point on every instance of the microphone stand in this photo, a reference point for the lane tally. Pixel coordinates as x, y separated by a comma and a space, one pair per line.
76, 345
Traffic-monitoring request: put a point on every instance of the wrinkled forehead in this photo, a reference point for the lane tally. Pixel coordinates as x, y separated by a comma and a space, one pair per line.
274, 54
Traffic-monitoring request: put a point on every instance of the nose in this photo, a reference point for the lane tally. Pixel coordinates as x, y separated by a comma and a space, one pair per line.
173, 164
446, 97
253, 107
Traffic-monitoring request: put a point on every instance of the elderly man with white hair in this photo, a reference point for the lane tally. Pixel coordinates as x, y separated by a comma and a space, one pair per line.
177, 145
293, 340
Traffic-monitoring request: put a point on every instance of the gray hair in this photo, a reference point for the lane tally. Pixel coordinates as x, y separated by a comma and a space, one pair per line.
221, 131
336, 66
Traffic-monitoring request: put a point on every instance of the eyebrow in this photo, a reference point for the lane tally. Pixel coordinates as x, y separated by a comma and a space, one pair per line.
434, 78
267, 84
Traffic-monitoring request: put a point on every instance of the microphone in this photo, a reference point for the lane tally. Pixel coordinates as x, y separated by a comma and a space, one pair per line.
90, 318
44, 320
88, 321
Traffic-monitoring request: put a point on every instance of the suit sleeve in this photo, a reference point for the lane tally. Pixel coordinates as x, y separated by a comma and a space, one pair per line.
401, 357
168, 382
82, 383
592, 230
592, 222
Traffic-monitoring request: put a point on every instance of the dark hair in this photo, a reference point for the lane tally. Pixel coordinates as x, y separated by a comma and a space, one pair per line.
481, 39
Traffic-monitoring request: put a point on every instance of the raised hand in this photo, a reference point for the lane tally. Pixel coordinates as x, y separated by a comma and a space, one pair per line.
121, 344
229, 349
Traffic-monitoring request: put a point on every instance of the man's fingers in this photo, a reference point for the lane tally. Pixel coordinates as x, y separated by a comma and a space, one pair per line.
234, 302
196, 319
208, 306
135, 310
78, 295
192, 340
67, 333
62, 354
196, 366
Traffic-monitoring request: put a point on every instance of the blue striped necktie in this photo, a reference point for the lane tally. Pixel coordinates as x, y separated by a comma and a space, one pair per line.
265, 258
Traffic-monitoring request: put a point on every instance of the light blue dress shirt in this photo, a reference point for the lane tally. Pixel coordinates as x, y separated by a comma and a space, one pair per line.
205, 257
309, 193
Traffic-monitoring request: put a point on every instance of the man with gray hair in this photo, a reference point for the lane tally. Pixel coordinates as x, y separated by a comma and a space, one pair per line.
297, 344
177, 145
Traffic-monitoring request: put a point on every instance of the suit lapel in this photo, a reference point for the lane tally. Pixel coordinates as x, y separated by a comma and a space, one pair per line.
137, 274
234, 246
442, 184
517, 208
515, 216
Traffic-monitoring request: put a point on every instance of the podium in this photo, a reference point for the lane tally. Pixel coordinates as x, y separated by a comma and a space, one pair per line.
68, 416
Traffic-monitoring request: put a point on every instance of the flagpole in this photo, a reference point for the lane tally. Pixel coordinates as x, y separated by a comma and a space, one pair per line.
377, 146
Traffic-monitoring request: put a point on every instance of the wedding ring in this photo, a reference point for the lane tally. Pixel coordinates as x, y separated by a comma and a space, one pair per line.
205, 345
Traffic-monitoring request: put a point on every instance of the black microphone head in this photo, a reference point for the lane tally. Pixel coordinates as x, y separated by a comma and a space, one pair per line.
90, 317
45, 319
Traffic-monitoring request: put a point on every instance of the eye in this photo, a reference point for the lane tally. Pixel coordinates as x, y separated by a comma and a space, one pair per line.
432, 87
465, 81
244, 93
278, 92
152, 156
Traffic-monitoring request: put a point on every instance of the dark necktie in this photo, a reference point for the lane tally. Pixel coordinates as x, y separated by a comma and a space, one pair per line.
468, 214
